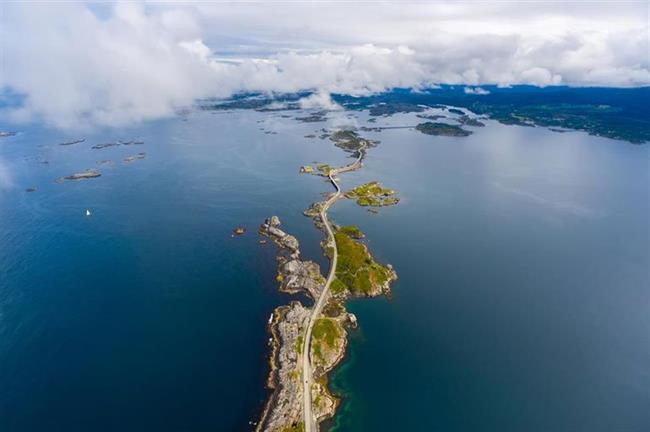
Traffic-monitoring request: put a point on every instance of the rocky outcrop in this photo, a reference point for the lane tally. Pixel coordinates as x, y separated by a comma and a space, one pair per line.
270, 228
299, 275
284, 408
294, 275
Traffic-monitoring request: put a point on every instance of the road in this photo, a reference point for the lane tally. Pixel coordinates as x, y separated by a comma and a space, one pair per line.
310, 422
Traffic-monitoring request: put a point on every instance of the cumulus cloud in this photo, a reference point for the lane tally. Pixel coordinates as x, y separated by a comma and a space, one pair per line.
75, 68
82, 64
319, 100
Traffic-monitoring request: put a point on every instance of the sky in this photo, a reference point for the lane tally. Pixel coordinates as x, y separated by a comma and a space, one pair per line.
74, 64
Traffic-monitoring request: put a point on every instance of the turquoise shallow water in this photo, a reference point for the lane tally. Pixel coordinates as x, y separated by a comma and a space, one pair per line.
522, 302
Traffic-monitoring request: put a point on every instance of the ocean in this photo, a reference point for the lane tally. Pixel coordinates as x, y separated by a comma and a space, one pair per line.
522, 255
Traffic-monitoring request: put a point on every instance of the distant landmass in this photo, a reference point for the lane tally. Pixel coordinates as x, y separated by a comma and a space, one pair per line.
617, 113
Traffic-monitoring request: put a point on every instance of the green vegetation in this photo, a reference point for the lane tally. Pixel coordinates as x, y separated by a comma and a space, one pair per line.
299, 343
430, 116
353, 231
350, 140
324, 168
390, 201
356, 268
444, 129
373, 195
387, 109
325, 334
297, 427
603, 120
337, 287
327, 331
468, 121
334, 307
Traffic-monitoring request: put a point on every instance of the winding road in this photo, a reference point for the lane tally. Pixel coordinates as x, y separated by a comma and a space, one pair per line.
310, 422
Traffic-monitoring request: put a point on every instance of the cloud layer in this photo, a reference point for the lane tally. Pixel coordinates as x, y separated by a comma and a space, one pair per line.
79, 64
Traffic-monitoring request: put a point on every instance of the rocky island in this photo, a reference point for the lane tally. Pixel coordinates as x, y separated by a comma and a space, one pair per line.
73, 142
84, 175
135, 157
308, 342
373, 194
443, 129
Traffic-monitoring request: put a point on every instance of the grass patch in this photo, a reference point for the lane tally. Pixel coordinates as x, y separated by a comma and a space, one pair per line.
298, 427
324, 168
373, 195
356, 268
352, 231
299, 344
338, 287
326, 330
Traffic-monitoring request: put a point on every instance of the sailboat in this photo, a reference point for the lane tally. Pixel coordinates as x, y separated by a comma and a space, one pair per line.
87, 212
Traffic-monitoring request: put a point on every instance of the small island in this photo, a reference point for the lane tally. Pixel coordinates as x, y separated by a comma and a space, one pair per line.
84, 175
350, 141
442, 129
373, 195
132, 158
105, 145
73, 142
456, 111
315, 117
469, 121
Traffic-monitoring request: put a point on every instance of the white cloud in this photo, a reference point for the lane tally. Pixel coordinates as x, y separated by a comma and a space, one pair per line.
320, 100
80, 65
476, 91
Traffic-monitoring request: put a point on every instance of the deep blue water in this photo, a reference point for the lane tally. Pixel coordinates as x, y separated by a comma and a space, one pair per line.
522, 302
